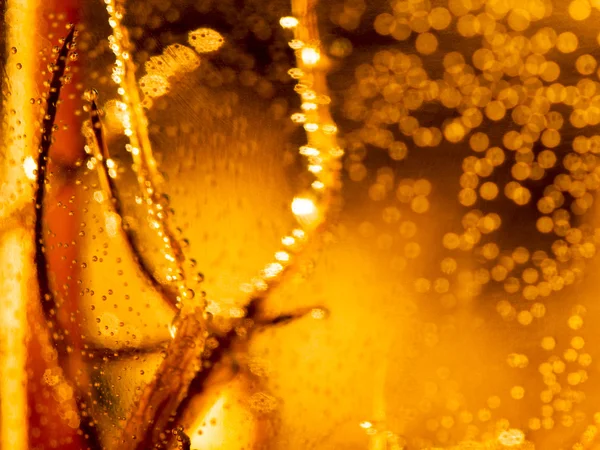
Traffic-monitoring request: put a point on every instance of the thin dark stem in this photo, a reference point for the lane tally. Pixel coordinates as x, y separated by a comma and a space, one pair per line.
97, 354
48, 302
110, 189
283, 319
213, 359
152, 416
47, 298
183, 373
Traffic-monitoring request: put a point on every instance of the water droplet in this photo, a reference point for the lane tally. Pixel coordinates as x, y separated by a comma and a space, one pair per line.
90, 95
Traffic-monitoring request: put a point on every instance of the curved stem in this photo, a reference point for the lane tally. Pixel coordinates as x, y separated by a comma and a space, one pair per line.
48, 302
49, 305
109, 187
148, 177
153, 414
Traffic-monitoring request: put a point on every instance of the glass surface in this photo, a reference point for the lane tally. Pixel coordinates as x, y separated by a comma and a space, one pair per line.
189, 260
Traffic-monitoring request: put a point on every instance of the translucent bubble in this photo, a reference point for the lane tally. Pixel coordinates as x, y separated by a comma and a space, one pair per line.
426, 43
175, 60
205, 40
580, 9
439, 18
384, 24
154, 85
567, 42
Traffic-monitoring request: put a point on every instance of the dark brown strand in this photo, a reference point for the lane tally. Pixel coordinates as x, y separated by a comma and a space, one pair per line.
46, 295
48, 302
110, 188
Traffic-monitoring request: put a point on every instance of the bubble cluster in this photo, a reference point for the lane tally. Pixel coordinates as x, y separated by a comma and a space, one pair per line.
523, 127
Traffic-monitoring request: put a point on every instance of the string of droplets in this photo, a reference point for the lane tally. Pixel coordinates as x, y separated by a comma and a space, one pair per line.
321, 152
135, 128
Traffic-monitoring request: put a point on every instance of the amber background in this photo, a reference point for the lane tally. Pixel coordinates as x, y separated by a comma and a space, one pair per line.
385, 354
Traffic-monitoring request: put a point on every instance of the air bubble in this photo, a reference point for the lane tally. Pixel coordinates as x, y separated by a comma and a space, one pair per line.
90, 95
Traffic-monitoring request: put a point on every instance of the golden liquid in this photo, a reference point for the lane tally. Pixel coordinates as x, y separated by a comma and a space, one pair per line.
458, 275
